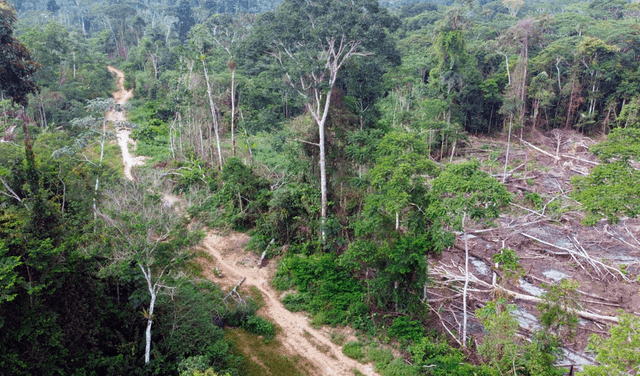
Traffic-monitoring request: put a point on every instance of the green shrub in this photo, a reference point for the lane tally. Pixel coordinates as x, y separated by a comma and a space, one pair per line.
241, 197
534, 199
398, 367
296, 302
405, 329
324, 287
353, 350
379, 356
260, 326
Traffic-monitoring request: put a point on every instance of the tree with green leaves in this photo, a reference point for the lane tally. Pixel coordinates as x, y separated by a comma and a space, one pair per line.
91, 129
399, 176
394, 235
619, 354
498, 345
16, 66
558, 308
611, 190
313, 43
464, 192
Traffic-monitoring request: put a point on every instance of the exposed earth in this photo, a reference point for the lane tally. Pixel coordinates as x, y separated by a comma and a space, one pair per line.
550, 241
116, 116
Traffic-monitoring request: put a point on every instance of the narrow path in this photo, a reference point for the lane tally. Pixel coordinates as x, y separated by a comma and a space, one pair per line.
297, 336
121, 97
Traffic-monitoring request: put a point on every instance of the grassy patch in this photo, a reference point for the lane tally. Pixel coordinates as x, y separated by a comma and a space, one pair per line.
256, 295
337, 338
262, 358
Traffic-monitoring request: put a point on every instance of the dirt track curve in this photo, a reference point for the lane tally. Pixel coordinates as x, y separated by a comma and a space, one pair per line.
121, 97
297, 336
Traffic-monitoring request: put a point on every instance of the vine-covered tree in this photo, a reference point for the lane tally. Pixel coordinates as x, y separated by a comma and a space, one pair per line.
16, 66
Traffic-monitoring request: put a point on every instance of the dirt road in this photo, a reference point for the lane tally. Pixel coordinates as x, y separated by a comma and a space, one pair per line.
121, 97
297, 335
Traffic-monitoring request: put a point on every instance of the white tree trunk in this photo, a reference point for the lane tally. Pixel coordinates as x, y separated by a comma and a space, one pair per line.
506, 158
426, 279
213, 115
323, 166
95, 190
153, 293
233, 111
466, 283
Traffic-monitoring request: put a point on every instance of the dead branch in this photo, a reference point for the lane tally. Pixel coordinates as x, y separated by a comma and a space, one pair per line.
447, 274
444, 299
540, 150
11, 193
442, 321
595, 263
580, 159
265, 252
235, 289
620, 239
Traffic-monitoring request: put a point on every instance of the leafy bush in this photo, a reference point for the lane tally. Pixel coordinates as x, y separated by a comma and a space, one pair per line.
296, 302
292, 215
260, 326
324, 287
535, 199
241, 196
154, 132
509, 263
558, 308
610, 191
353, 350
406, 329
444, 360
398, 367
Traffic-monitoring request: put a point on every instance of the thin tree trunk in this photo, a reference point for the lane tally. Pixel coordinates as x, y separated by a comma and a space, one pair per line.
558, 69
213, 115
246, 136
153, 294
506, 158
426, 280
323, 177
567, 124
466, 283
395, 290
232, 65
95, 190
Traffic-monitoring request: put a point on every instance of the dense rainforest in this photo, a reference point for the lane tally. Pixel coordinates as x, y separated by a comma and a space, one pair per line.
363, 148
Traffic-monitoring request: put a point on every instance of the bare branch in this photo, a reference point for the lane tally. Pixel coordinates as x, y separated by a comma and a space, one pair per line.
12, 193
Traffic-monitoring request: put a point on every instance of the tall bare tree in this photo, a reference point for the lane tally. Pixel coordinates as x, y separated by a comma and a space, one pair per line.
316, 86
